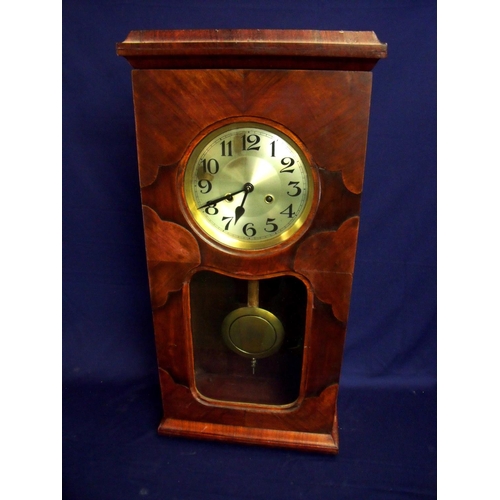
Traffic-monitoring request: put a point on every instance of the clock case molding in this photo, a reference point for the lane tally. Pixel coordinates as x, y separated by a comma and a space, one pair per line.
316, 84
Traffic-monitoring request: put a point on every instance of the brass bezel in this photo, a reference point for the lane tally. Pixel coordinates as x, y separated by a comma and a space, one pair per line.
199, 221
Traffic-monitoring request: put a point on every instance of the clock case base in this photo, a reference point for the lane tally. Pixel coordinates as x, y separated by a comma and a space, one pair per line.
310, 426
315, 84
306, 441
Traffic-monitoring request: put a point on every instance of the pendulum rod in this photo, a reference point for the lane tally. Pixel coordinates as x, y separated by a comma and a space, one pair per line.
250, 331
253, 301
253, 293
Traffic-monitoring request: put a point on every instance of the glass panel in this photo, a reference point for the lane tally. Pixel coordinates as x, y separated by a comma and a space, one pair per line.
248, 337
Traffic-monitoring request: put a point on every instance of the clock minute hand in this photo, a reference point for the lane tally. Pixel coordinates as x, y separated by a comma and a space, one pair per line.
212, 203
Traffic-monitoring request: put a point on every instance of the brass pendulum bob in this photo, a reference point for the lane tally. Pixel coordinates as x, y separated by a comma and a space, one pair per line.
253, 332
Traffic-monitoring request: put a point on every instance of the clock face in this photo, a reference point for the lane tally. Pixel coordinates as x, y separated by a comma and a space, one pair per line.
248, 186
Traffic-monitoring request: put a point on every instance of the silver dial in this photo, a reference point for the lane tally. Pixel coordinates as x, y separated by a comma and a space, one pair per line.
248, 186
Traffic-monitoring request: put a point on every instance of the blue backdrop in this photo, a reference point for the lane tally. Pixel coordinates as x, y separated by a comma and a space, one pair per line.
111, 401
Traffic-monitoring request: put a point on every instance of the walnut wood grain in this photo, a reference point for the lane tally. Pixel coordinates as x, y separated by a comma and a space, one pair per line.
256, 49
311, 425
171, 252
330, 115
330, 272
314, 84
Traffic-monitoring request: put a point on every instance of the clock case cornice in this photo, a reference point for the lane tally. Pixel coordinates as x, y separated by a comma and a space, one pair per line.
252, 49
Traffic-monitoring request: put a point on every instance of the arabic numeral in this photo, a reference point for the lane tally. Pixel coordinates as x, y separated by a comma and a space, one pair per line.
210, 166
227, 148
229, 219
249, 230
294, 185
211, 210
205, 186
288, 212
250, 142
271, 225
273, 148
287, 163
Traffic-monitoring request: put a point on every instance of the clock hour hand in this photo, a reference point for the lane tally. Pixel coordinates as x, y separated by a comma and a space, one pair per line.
228, 196
240, 210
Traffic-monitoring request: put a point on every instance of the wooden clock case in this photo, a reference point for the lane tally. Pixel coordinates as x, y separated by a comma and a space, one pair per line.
315, 85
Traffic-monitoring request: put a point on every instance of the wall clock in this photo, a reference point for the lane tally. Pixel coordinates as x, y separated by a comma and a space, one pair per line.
251, 148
